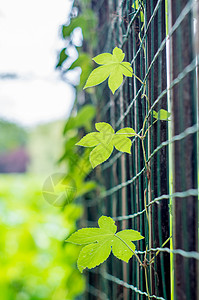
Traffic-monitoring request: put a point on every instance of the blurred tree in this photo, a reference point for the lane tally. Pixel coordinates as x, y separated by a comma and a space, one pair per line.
13, 154
12, 136
44, 147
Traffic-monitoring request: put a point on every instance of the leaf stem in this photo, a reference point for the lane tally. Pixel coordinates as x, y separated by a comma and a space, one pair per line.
138, 78
132, 134
135, 75
130, 249
149, 128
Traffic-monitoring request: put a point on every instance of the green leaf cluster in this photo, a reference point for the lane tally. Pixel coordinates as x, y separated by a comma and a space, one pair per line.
77, 164
83, 118
87, 22
99, 242
111, 67
84, 62
104, 142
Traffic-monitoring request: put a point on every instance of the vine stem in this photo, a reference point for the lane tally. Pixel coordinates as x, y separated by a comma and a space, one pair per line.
144, 153
152, 260
147, 215
139, 136
145, 273
130, 249
149, 128
144, 134
139, 35
144, 95
142, 264
145, 119
135, 75
138, 78
146, 279
143, 148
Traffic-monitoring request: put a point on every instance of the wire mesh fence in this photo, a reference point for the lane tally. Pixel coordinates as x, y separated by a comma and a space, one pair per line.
155, 189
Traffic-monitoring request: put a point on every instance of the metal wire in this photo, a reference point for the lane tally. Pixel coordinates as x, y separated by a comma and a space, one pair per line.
179, 137
129, 286
126, 177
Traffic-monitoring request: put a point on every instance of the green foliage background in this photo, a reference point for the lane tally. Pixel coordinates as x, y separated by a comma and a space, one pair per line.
44, 146
35, 263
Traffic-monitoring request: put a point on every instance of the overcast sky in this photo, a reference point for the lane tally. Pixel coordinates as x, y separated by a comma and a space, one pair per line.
29, 43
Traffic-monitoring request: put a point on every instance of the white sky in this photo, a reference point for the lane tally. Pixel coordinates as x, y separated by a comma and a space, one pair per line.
29, 43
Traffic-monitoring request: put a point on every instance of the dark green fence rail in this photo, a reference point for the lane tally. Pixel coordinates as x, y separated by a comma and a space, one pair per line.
163, 53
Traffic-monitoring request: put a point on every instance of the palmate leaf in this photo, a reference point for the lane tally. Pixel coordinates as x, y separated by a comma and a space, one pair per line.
105, 140
162, 115
98, 243
112, 67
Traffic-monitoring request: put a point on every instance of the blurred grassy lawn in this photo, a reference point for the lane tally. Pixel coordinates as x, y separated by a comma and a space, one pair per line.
35, 263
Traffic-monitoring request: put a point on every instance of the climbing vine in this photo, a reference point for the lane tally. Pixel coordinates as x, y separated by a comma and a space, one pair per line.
99, 242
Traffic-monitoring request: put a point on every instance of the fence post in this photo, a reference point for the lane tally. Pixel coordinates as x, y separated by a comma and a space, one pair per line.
183, 102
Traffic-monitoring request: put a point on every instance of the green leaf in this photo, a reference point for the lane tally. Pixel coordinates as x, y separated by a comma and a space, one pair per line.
118, 55
90, 140
100, 154
87, 22
62, 57
122, 144
126, 132
115, 78
98, 75
107, 223
121, 251
105, 140
130, 234
100, 241
112, 66
87, 236
84, 62
104, 58
93, 255
84, 187
74, 23
126, 69
82, 119
162, 115
136, 6
105, 128
142, 16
